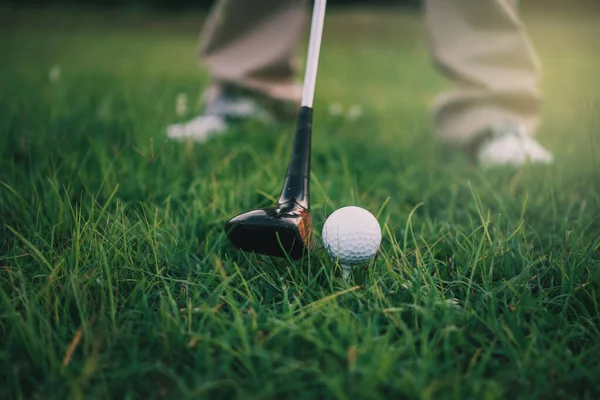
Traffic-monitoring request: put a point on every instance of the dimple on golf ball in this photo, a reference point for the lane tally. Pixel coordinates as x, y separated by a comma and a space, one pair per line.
351, 235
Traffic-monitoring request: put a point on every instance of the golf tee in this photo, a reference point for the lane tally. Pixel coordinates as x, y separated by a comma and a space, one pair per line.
346, 269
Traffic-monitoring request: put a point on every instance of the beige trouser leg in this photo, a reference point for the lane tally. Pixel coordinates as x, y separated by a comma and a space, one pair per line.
253, 43
483, 47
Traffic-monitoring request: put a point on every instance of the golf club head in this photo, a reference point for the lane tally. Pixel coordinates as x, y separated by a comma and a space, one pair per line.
285, 230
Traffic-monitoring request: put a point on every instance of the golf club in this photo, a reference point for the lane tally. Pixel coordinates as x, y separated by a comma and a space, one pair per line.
286, 229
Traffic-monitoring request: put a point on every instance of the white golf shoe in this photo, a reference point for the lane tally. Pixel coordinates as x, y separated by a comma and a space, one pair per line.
219, 111
511, 146
198, 129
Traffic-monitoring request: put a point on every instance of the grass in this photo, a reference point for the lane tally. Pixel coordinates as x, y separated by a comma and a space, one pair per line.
117, 280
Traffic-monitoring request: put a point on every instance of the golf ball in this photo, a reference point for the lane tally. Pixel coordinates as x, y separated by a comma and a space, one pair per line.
351, 235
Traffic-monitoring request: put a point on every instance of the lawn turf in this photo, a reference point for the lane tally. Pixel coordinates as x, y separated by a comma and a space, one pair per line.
116, 279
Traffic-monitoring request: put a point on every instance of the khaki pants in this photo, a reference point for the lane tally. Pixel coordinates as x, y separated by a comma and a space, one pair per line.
480, 44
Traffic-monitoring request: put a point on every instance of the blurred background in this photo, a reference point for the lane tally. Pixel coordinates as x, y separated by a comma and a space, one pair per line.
183, 4
205, 4
374, 51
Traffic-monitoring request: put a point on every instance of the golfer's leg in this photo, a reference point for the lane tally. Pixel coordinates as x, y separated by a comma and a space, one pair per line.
483, 47
253, 44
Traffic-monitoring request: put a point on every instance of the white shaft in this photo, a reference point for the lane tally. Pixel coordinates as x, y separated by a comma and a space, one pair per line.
314, 48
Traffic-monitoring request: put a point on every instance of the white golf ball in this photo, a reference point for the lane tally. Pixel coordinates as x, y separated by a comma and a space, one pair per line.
351, 235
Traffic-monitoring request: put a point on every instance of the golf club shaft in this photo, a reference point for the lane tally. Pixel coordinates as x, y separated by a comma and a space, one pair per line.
314, 49
296, 186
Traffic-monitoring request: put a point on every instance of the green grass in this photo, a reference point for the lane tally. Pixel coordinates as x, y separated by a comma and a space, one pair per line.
117, 280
